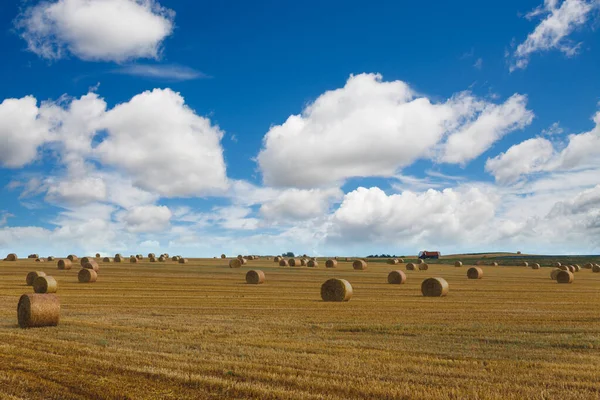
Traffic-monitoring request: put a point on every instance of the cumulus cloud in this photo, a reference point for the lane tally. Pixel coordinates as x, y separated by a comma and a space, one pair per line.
522, 159
96, 30
77, 191
164, 146
373, 128
148, 218
22, 132
297, 204
553, 32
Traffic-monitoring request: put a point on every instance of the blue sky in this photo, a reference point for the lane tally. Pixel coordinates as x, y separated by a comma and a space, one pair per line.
340, 128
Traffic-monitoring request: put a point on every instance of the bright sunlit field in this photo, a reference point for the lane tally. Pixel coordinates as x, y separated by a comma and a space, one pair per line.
193, 331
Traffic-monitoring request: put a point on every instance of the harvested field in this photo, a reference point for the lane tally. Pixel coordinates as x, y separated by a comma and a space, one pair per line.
198, 331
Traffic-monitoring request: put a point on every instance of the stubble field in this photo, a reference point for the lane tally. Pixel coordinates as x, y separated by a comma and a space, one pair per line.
195, 331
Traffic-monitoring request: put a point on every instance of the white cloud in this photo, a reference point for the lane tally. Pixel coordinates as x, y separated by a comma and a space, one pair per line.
554, 129
77, 192
22, 132
146, 218
552, 33
478, 64
169, 72
525, 158
155, 137
373, 128
96, 30
299, 204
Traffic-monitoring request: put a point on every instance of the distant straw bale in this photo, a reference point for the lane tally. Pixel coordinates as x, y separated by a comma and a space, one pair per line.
65, 264
151, 255
293, 262
571, 268
554, 273
98, 255
223, 256
494, 264
458, 264
235, 263
73, 257
11, 257
277, 259
50, 258
563, 267
133, 260
30, 278
336, 290
525, 264
92, 264
397, 277
535, 266
107, 260
410, 267
596, 268
118, 258
303, 262
183, 261
588, 266
475, 273
38, 310
283, 263
40, 260
359, 265
86, 275
84, 260
331, 263
164, 259
434, 287
423, 267
45, 284
312, 264
421, 261
393, 261
564, 277
255, 277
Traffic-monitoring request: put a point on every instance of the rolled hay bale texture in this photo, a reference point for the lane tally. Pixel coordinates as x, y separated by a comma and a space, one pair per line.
596, 268
98, 255
152, 259
92, 264
588, 266
535, 266
244, 261
564, 277
359, 265
255, 277
39, 260
554, 273
303, 262
73, 257
393, 261
87, 276
420, 261
571, 268
577, 268
175, 258
240, 256
397, 277
277, 259
525, 264
166, 255
106, 260
235, 263
65, 264
563, 267
494, 264
139, 256
45, 284
400, 260
164, 259
475, 273
283, 263
293, 262
330, 263
38, 310
558, 265
133, 260
183, 261
30, 278
336, 290
84, 260
11, 257
151, 255
223, 256
423, 267
435, 287
410, 267
312, 264
33, 256
118, 258
50, 258
458, 264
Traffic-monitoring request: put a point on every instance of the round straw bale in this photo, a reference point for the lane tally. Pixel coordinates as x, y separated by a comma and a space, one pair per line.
397, 277
475, 273
312, 264
235, 263
588, 266
164, 259
458, 264
183, 261
525, 264
571, 268
65, 264
92, 264
255, 277
32, 275
240, 256
336, 290
39, 260
410, 267
11, 257
98, 255
106, 260
84, 260
558, 265
400, 261
330, 263
564, 277
434, 287
359, 265
283, 263
45, 284
37, 310
563, 267
223, 256
535, 266
139, 257
577, 268
133, 260
303, 262
293, 262
118, 258
73, 257
277, 259
244, 261
51, 258
494, 264
166, 255
174, 258
554, 273
596, 268
392, 261
423, 267
86, 275
421, 261
152, 259
151, 255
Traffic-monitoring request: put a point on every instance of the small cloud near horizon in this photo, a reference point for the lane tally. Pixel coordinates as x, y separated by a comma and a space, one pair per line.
171, 72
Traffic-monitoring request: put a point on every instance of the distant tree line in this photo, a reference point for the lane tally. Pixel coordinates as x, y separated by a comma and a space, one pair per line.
384, 256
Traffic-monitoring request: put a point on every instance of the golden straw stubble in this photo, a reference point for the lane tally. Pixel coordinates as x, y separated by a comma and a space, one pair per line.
255, 277
86, 275
396, 277
38, 310
30, 278
435, 287
45, 284
336, 290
